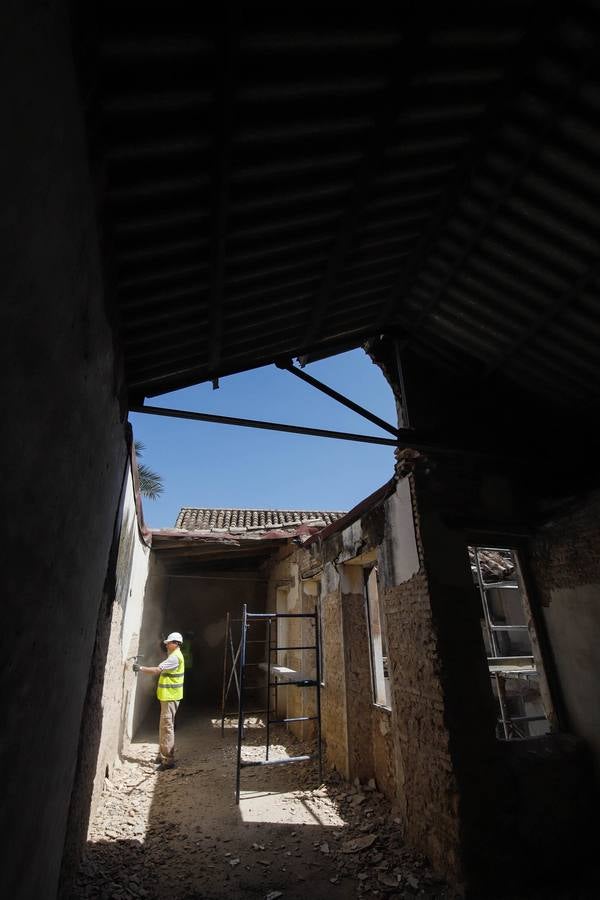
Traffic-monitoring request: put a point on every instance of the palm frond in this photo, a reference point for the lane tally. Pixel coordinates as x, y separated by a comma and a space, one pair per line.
151, 484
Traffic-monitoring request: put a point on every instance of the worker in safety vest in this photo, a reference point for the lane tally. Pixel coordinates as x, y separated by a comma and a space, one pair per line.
169, 692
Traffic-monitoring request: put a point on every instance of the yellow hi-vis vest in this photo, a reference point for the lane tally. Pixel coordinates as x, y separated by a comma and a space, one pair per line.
170, 682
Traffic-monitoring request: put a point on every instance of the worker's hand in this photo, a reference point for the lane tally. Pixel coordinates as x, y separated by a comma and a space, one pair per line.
136, 667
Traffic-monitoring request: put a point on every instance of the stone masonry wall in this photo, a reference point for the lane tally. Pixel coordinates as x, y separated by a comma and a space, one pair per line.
333, 698
427, 792
384, 768
359, 694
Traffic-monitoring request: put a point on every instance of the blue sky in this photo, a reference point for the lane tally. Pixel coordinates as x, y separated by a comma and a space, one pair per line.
204, 464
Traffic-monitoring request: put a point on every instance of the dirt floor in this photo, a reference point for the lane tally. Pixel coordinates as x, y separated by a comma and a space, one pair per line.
180, 834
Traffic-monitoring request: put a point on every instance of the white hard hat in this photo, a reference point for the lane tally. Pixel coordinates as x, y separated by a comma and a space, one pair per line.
174, 636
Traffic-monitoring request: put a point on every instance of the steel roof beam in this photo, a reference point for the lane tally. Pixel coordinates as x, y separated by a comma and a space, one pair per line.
268, 426
340, 398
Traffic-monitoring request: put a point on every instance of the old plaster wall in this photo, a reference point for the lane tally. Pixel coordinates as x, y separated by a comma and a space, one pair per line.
333, 698
120, 682
64, 450
287, 593
565, 562
357, 733
149, 646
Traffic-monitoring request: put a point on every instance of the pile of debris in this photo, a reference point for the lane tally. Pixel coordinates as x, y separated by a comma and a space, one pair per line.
180, 833
370, 849
496, 565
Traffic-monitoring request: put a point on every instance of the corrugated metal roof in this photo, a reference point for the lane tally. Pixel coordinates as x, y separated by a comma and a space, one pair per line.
299, 182
253, 520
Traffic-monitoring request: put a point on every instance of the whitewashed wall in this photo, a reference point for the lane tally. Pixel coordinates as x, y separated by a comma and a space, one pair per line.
120, 682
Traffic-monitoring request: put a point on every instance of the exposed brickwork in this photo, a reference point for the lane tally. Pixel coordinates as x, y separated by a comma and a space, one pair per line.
566, 552
428, 794
384, 767
333, 710
359, 698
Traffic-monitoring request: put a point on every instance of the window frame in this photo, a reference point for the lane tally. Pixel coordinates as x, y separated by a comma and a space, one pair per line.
368, 571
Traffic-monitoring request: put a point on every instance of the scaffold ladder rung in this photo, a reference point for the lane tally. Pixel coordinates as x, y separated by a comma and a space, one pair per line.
271, 647
293, 719
245, 764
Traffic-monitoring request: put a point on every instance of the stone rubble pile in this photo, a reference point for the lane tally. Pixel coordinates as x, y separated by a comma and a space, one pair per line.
138, 849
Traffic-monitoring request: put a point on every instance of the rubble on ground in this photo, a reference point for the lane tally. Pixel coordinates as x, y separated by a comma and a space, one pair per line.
140, 846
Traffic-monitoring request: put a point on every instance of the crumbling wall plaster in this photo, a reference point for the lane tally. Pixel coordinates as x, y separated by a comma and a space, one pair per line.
427, 792
120, 682
149, 646
398, 556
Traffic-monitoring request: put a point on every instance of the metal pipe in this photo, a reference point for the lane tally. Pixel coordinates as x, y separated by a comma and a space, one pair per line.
509, 627
307, 647
268, 426
241, 706
402, 385
486, 612
269, 624
223, 694
293, 719
318, 673
503, 712
234, 656
277, 762
280, 616
325, 389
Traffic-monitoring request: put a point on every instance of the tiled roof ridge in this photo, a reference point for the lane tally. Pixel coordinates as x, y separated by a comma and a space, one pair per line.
258, 509
208, 518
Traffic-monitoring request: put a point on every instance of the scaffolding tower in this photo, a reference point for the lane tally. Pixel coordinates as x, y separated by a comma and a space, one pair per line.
277, 677
231, 675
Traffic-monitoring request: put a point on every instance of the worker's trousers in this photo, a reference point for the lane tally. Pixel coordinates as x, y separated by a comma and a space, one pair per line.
166, 731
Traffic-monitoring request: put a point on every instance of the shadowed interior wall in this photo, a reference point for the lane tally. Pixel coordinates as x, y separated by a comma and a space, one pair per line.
200, 605
565, 562
64, 451
120, 682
